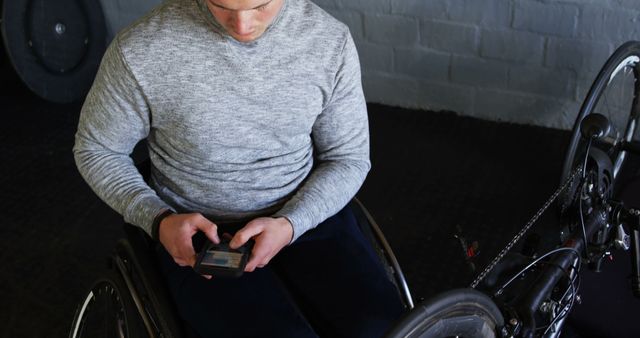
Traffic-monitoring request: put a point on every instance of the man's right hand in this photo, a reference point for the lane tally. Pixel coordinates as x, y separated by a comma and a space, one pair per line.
175, 232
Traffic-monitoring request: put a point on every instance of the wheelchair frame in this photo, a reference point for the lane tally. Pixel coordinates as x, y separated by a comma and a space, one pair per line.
133, 261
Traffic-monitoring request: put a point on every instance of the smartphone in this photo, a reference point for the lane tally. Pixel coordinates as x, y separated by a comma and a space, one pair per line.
219, 260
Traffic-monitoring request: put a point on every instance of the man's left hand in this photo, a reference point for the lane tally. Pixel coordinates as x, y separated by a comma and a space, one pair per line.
270, 236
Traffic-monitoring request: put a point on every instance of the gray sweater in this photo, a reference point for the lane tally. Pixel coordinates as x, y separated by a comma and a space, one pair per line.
235, 130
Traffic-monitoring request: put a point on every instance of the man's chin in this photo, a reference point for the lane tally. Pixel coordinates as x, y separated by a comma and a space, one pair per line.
246, 37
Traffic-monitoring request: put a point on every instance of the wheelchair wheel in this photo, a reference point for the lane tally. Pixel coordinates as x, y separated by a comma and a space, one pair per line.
107, 311
614, 94
456, 313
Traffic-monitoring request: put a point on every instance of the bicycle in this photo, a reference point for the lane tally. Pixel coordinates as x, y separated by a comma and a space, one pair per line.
520, 295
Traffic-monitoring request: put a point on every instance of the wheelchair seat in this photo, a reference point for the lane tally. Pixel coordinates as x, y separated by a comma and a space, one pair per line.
144, 308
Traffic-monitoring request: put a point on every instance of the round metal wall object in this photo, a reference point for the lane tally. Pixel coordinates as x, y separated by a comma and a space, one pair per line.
55, 46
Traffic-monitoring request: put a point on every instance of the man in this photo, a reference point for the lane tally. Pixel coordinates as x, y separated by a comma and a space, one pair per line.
256, 126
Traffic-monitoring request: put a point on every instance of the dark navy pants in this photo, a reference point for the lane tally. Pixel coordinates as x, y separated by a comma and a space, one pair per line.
329, 283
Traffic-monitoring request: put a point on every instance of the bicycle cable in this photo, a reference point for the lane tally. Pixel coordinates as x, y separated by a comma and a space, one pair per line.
499, 292
584, 176
567, 308
528, 225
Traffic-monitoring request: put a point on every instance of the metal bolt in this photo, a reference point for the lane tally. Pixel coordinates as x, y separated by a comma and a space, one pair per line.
60, 28
513, 321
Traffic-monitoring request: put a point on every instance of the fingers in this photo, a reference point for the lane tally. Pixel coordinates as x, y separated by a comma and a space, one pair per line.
260, 256
245, 234
270, 235
186, 255
209, 228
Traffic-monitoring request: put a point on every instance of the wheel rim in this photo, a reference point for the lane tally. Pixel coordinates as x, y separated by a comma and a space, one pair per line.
613, 94
629, 64
55, 47
455, 313
102, 314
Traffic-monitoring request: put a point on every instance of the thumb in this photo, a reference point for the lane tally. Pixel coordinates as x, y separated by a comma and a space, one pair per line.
244, 235
210, 229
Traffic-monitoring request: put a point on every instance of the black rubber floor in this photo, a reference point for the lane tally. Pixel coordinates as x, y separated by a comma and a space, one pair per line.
432, 172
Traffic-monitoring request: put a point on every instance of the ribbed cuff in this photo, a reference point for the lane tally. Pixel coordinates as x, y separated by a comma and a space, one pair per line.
299, 223
155, 226
143, 211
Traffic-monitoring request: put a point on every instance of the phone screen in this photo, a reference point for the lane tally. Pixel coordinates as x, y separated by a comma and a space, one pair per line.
222, 258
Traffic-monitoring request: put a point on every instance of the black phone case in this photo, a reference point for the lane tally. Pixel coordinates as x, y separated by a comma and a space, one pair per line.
221, 271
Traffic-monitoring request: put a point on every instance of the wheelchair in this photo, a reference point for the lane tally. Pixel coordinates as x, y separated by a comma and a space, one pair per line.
517, 295
131, 299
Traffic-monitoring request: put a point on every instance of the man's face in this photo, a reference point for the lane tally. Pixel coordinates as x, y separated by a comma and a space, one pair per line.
245, 20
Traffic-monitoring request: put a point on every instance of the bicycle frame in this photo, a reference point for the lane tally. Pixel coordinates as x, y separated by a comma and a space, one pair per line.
590, 243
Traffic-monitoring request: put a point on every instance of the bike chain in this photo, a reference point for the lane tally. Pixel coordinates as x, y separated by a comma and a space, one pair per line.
516, 238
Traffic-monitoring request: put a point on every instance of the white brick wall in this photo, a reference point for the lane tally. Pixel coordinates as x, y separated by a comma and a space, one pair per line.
120, 13
523, 61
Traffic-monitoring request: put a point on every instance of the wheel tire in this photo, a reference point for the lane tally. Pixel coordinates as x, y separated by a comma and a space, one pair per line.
107, 311
456, 313
626, 57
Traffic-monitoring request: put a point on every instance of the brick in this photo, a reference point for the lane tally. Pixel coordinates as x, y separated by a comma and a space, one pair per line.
449, 36
371, 6
391, 29
400, 91
631, 4
444, 96
326, 4
375, 57
424, 9
351, 19
605, 24
121, 13
560, 83
389, 89
567, 116
478, 72
581, 56
547, 18
512, 46
508, 106
423, 64
583, 84
486, 13
580, 2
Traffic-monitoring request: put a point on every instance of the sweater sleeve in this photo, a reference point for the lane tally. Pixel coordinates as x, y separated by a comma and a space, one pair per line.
341, 145
114, 118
